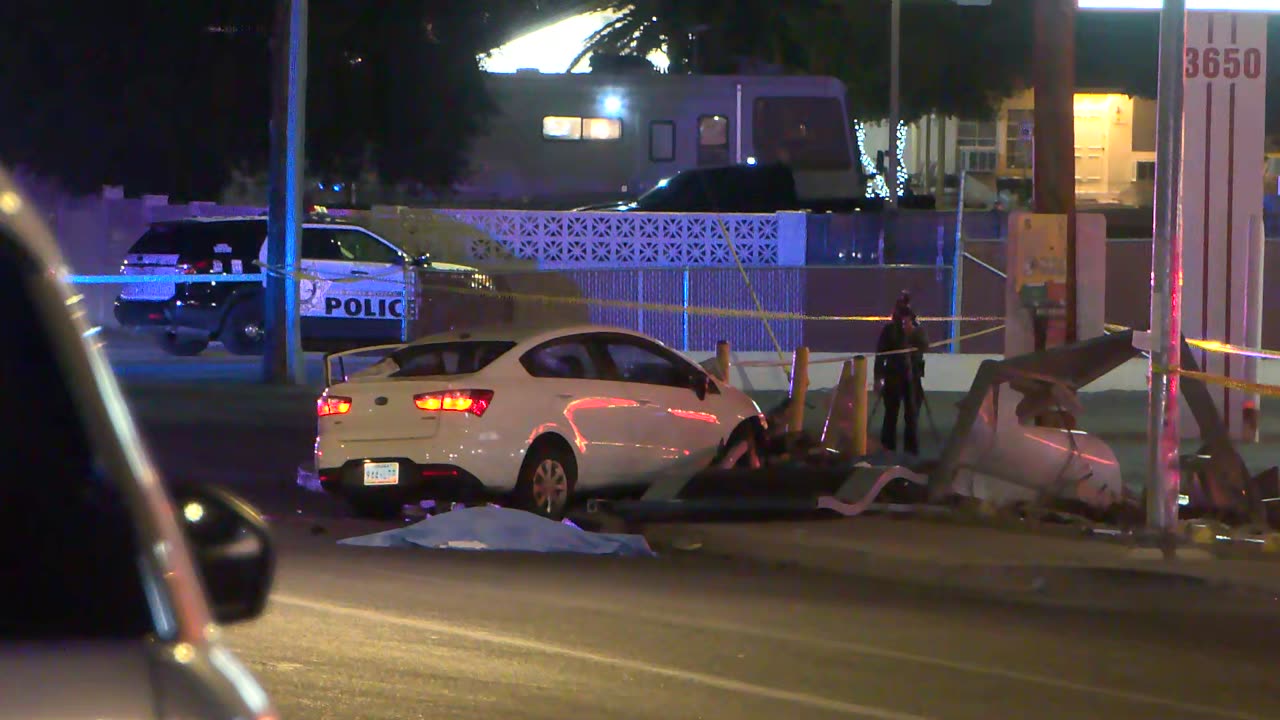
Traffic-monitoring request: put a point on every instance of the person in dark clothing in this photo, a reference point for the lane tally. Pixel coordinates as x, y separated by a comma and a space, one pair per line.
899, 372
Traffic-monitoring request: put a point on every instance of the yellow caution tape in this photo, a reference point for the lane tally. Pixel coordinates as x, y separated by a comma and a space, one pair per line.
846, 358
1213, 346
1230, 349
1223, 381
634, 305
692, 310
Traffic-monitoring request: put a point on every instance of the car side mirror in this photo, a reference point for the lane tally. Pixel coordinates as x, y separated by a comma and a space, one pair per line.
232, 548
700, 384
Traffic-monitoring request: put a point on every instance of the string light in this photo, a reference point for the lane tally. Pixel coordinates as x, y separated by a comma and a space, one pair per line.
876, 185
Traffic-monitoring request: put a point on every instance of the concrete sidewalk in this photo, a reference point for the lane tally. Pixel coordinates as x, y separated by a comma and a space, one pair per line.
1056, 565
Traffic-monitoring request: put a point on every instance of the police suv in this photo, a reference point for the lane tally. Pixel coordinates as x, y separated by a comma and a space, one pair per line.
352, 292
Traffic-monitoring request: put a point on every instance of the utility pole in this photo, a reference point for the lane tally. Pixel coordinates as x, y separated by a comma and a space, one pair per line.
1053, 144
282, 360
1163, 475
895, 94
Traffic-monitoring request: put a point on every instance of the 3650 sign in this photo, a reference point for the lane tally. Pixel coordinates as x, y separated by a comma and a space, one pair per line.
1212, 63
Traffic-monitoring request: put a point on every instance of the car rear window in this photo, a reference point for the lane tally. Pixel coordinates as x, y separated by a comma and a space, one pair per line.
202, 239
449, 358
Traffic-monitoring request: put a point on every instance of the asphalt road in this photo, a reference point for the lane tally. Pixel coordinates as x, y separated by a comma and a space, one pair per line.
369, 633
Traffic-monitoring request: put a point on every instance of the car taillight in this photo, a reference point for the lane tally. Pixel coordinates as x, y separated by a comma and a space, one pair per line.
195, 268
332, 405
466, 401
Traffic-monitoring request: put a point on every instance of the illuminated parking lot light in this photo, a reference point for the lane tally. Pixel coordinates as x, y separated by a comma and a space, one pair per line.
1218, 5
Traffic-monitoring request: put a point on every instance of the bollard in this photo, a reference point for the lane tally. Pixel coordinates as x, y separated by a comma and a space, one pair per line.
799, 389
859, 446
722, 361
1251, 432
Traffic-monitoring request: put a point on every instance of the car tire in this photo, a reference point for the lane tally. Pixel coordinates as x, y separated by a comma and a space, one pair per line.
749, 431
376, 508
244, 331
547, 479
175, 344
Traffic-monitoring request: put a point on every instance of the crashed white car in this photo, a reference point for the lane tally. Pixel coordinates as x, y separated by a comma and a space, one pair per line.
527, 416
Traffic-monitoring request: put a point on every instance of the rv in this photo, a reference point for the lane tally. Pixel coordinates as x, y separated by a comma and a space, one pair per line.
566, 140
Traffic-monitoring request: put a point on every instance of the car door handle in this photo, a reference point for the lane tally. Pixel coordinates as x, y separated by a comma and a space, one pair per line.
565, 396
648, 403
359, 272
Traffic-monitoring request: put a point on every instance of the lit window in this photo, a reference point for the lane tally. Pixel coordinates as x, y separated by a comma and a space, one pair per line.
562, 128
601, 128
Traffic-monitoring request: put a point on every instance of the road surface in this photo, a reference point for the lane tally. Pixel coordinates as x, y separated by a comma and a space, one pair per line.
375, 633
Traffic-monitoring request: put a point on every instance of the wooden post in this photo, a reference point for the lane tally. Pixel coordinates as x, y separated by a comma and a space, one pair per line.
799, 389
1054, 78
859, 446
723, 361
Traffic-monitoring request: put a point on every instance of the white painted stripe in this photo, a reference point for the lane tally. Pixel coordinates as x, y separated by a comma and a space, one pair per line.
715, 681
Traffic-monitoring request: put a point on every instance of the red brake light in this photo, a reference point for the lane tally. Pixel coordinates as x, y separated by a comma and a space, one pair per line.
195, 268
331, 405
466, 401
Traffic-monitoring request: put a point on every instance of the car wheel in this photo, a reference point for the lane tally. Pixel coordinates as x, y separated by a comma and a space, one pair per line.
175, 344
546, 481
748, 431
244, 331
376, 508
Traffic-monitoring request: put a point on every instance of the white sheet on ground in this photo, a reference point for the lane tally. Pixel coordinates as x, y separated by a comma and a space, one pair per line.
501, 529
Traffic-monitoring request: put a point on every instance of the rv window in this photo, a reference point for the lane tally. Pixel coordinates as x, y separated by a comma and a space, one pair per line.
662, 141
601, 128
713, 140
562, 128
805, 133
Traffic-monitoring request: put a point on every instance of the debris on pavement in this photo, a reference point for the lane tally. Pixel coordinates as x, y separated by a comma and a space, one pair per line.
499, 529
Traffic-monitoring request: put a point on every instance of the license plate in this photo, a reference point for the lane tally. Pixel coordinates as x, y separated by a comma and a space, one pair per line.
382, 473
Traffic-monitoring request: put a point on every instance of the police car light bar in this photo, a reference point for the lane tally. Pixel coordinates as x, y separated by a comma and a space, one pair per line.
1218, 5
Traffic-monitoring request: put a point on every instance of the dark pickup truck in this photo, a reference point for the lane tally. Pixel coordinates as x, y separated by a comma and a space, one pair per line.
745, 189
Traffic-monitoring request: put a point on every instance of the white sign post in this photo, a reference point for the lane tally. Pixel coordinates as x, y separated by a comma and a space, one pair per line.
1224, 71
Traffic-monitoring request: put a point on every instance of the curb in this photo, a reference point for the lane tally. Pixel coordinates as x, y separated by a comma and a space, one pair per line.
1128, 582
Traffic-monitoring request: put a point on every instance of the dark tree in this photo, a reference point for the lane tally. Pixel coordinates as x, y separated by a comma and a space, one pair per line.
169, 97
955, 60
136, 93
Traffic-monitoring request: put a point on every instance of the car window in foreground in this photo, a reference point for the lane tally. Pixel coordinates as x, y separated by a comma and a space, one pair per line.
567, 359
68, 554
639, 362
451, 358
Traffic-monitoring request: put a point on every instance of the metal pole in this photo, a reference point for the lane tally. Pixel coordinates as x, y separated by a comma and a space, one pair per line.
1253, 331
408, 300
1166, 279
684, 316
640, 300
283, 362
957, 269
895, 72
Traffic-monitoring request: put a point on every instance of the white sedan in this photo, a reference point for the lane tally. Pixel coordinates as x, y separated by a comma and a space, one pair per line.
530, 416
